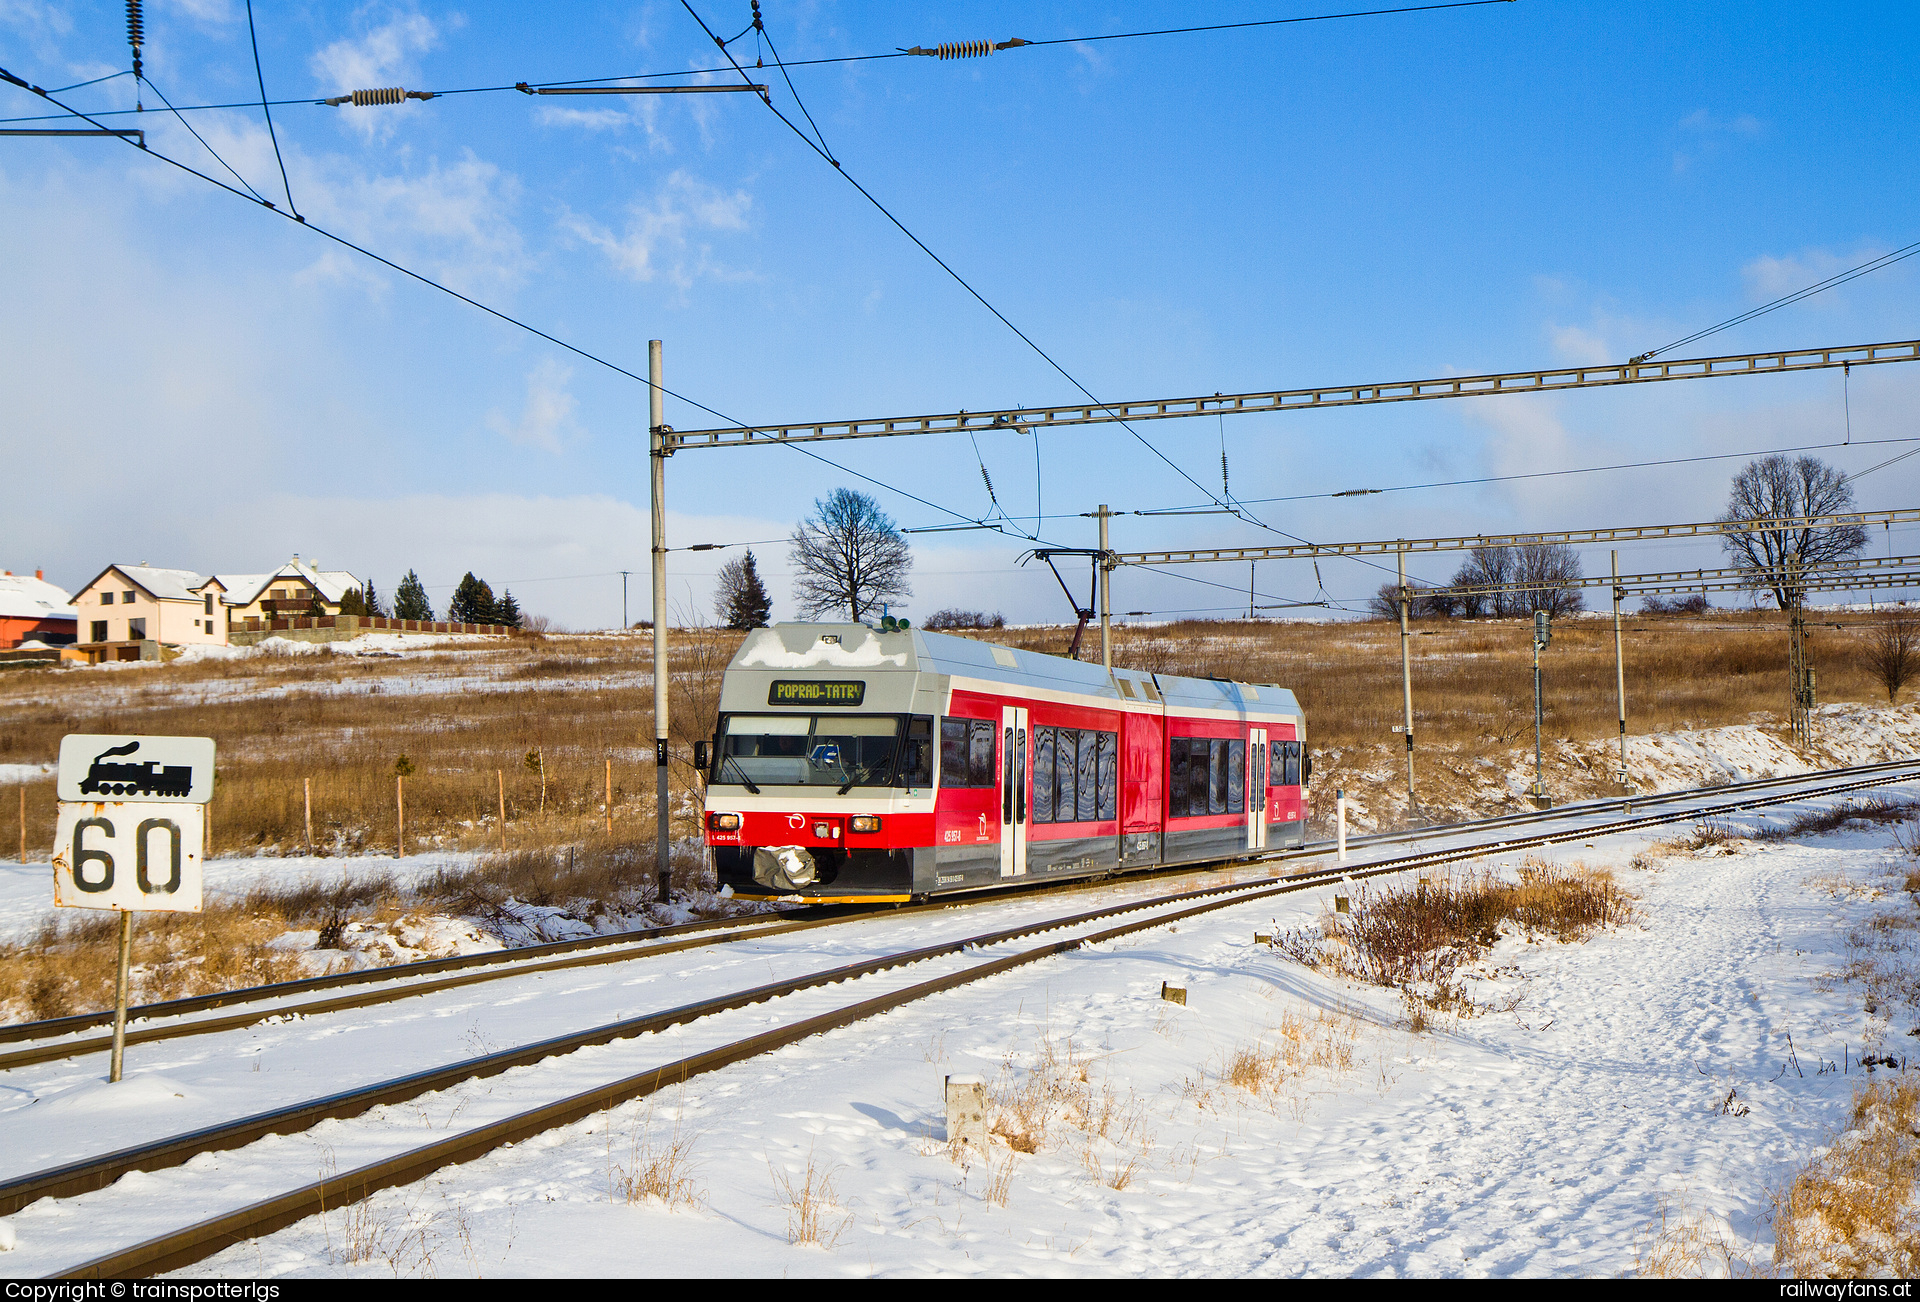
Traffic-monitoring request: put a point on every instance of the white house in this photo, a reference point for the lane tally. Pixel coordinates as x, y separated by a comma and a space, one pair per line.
294, 591
130, 604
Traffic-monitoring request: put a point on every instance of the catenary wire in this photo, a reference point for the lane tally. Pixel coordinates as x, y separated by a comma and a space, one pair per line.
961, 280
473, 302
849, 58
204, 145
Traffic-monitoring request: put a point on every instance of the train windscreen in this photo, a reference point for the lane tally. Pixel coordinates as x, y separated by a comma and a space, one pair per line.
820, 750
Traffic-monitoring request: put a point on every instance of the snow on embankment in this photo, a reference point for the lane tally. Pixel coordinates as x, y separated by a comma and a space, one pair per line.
1842, 735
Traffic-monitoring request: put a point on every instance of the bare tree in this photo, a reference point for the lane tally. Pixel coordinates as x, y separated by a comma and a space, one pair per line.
1552, 570
1892, 653
1778, 488
850, 556
1423, 602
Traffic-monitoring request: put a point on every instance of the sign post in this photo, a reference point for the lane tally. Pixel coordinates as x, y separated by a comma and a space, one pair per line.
146, 853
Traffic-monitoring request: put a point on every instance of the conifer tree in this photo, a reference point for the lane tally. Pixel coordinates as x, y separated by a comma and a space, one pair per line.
353, 602
371, 600
410, 599
739, 598
507, 611
472, 602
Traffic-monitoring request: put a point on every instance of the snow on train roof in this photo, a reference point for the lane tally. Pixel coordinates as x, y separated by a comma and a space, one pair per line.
857, 646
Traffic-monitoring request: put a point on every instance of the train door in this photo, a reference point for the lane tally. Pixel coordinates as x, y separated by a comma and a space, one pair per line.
1015, 789
1257, 789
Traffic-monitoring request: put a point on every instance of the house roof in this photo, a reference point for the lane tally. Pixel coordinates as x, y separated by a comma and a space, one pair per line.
160, 584
25, 597
245, 589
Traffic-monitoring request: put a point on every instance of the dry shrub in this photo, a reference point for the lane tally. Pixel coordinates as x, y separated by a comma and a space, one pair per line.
1852, 1212
656, 1170
1815, 822
813, 1213
1000, 1180
1058, 1085
1422, 934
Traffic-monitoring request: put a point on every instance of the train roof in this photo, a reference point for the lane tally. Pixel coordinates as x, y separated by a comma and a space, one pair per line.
806, 648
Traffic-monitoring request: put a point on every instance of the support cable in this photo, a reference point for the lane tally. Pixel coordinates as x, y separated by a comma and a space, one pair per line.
1787, 300
260, 77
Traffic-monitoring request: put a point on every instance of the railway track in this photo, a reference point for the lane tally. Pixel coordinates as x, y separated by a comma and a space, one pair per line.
48, 1039
968, 959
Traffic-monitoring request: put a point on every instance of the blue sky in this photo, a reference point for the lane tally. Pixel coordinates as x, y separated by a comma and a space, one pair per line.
195, 382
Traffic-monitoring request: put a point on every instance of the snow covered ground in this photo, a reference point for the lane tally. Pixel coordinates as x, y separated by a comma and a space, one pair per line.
1677, 1067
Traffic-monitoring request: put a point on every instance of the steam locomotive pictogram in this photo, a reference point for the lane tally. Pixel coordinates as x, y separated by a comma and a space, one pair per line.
149, 779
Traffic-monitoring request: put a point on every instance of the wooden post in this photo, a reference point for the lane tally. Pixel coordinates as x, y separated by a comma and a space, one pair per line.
400, 815
306, 787
120, 996
501, 774
609, 800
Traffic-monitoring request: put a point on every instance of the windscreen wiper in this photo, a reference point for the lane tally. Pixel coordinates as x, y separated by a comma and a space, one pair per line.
745, 781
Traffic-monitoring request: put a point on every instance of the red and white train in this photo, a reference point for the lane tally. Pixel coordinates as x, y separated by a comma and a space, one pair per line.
853, 765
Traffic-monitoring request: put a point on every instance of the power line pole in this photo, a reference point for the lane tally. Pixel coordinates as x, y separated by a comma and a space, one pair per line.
1799, 672
1620, 670
656, 439
1106, 594
623, 600
1406, 683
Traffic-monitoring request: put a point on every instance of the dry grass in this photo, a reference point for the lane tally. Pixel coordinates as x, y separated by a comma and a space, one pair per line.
1289, 1049
814, 1215
1872, 811
343, 721
1056, 1101
69, 966
1416, 937
655, 1170
1853, 1212
1682, 1243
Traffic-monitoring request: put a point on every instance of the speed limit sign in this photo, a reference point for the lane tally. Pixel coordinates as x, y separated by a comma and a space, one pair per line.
134, 855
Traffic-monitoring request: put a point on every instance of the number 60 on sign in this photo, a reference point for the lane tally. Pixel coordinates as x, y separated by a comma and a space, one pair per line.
135, 855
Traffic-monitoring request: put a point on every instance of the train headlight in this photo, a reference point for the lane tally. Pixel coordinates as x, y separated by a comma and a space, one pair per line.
863, 823
724, 822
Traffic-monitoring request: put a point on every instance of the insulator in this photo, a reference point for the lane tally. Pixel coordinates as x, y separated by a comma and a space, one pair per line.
385, 95
135, 27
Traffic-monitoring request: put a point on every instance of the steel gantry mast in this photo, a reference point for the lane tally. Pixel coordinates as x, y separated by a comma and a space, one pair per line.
1550, 380
667, 441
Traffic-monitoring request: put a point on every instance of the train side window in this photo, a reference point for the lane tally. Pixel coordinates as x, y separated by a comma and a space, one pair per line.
980, 753
1293, 763
1043, 775
916, 757
953, 752
1216, 776
1066, 774
1087, 795
1259, 778
1197, 779
1177, 778
1236, 777
1109, 776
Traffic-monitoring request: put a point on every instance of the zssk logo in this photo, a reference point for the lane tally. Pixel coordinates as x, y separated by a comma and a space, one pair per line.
796, 821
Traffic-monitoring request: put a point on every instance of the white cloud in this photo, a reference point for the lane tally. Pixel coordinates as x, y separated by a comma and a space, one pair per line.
1710, 133
1578, 344
548, 413
659, 239
605, 119
1769, 277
